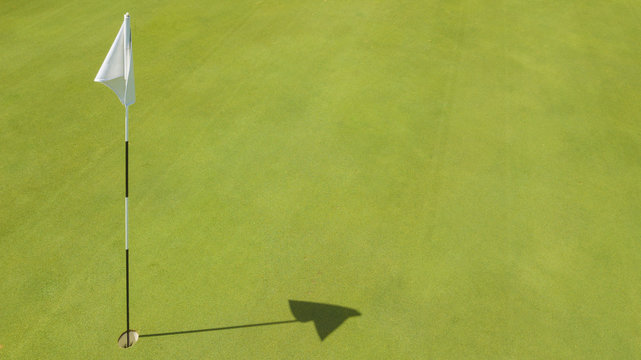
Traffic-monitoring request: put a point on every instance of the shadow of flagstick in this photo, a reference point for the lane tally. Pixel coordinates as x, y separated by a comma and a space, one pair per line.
326, 318
220, 328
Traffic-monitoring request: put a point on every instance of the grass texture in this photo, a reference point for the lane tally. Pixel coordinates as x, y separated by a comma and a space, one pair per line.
464, 174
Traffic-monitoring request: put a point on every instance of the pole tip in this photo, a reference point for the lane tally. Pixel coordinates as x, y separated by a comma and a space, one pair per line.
127, 15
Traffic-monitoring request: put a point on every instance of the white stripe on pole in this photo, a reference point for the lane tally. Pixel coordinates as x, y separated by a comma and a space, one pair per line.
126, 123
126, 223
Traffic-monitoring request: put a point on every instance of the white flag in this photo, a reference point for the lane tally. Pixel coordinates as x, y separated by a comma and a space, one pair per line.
117, 71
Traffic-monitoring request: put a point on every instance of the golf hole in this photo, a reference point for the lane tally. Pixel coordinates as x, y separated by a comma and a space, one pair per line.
122, 340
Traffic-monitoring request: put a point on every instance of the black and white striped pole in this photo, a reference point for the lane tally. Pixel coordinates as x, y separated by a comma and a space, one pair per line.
117, 72
127, 212
131, 335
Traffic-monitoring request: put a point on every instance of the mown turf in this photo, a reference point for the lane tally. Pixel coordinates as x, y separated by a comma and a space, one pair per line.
464, 174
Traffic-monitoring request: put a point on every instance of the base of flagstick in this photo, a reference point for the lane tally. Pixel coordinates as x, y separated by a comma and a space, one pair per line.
133, 338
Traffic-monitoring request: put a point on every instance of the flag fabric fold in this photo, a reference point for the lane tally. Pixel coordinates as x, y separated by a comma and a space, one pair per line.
117, 71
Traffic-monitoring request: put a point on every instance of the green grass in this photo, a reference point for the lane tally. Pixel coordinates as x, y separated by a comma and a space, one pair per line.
464, 174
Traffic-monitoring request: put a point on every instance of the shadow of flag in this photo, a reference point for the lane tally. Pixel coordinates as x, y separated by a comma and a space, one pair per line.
326, 317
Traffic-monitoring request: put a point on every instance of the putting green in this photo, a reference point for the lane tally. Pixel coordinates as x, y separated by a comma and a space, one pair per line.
464, 176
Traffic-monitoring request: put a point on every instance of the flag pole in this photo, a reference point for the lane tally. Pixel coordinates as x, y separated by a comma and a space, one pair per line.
117, 73
127, 212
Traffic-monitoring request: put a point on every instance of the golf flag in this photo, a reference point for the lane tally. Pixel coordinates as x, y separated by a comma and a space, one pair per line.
117, 71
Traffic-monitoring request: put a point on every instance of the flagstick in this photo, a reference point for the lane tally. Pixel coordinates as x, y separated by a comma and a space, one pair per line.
119, 65
127, 211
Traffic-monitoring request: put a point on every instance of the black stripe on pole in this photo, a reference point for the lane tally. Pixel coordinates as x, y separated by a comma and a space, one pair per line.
127, 268
126, 168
